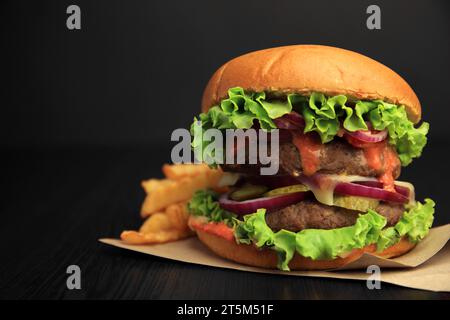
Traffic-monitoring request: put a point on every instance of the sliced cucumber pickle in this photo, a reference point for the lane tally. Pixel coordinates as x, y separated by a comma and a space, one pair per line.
248, 191
355, 203
285, 190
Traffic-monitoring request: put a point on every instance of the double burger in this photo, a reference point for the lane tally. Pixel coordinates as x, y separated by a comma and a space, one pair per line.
347, 125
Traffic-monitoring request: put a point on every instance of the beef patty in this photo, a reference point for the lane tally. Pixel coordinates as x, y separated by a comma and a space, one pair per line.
336, 157
310, 214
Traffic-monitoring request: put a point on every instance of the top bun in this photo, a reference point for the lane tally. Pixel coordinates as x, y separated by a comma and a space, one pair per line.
312, 68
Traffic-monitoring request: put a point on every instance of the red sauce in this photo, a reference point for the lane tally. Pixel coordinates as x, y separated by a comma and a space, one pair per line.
382, 157
309, 147
219, 229
390, 162
379, 156
374, 155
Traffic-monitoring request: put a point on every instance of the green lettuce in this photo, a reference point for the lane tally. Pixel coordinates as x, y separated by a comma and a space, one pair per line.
205, 203
317, 244
238, 111
414, 223
322, 115
328, 244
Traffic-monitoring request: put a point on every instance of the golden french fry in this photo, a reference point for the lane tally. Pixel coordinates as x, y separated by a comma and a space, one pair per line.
178, 215
153, 184
214, 177
178, 171
134, 237
166, 203
161, 227
177, 191
184, 180
156, 222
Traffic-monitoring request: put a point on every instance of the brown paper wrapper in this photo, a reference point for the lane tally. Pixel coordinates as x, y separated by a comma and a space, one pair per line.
425, 267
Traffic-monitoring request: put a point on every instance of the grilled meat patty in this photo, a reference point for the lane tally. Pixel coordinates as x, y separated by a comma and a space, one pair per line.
336, 157
310, 214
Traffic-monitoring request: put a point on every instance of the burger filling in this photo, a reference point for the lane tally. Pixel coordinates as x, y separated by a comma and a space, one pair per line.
336, 157
336, 189
310, 214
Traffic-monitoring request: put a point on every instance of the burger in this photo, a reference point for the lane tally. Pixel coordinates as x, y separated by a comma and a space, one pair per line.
346, 125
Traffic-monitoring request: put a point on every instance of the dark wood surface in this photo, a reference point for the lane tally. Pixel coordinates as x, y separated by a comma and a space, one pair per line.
56, 203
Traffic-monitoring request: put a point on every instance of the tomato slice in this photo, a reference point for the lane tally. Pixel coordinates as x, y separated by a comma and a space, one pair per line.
217, 228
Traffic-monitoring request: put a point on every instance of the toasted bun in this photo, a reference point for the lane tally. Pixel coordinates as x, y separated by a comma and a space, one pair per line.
267, 258
312, 68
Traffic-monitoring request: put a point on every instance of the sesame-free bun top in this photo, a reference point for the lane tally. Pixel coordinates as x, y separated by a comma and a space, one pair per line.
312, 68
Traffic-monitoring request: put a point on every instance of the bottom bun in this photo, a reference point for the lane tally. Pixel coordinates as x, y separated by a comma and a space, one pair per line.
267, 258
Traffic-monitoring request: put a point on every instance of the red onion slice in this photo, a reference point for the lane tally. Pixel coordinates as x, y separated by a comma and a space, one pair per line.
353, 189
268, 203
369, 136
290, 121
284, 124
296, 118
377, 184
325, 186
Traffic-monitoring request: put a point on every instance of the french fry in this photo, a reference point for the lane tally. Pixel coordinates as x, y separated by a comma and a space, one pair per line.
179, 171
161, 227
177, 191
153, 184
134, 237
156, 222
165, 205
178, 215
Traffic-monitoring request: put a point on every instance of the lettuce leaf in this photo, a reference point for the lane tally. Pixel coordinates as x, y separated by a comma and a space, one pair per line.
408, 140
205, 203
322, 114
328, 244
317, 244
416, 222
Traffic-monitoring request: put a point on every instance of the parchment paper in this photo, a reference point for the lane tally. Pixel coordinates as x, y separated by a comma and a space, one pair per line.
426, 267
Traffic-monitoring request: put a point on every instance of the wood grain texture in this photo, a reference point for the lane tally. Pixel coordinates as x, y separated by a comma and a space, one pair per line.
56, 204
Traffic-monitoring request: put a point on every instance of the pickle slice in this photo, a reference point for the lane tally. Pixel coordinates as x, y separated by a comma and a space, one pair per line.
355, 203
285, 190
248, 191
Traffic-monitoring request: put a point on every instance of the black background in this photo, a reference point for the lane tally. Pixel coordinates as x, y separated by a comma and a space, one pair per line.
87, 114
